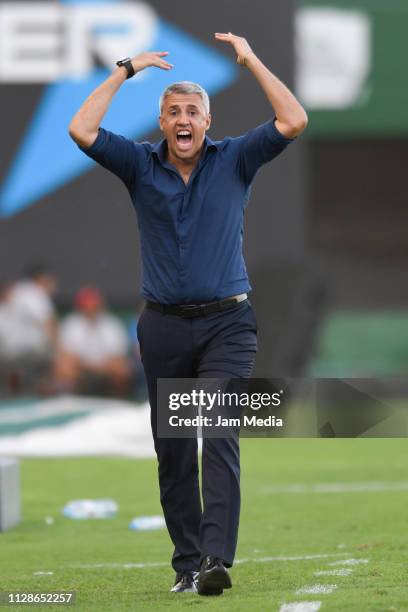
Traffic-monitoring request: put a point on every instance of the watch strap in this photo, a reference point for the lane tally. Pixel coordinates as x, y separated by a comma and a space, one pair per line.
127, 63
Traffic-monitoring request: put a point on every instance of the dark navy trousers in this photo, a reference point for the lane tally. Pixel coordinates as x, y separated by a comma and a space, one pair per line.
220, 345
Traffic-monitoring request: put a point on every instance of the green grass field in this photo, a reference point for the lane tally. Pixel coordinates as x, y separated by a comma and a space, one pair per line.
356, 524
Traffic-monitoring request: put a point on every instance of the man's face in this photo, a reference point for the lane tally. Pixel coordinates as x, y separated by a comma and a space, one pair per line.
184, 122
48, 282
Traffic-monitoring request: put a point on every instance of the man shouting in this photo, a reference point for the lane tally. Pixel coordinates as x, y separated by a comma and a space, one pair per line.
190, 194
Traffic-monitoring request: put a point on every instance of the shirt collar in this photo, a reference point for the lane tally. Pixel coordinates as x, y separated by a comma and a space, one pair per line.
160, 148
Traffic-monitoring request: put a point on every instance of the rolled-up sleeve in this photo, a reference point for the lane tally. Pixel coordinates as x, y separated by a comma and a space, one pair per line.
259, 146
118, 154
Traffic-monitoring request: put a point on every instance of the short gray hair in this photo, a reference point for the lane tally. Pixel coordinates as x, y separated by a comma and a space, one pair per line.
185, 87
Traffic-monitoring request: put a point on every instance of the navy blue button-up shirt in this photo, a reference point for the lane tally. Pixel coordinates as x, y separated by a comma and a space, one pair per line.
191, 235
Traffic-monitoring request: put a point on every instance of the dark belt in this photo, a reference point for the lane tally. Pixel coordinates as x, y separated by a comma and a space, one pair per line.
196, 310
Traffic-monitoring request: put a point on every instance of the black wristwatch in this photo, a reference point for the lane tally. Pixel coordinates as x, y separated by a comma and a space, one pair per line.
126, 63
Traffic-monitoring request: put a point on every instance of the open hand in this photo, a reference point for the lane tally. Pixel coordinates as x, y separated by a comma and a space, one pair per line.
151, 58
241, 46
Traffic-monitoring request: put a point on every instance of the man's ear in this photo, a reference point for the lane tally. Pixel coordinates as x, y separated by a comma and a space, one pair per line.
209, 119
160, 123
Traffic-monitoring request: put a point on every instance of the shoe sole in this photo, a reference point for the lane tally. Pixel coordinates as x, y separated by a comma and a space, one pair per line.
213, 582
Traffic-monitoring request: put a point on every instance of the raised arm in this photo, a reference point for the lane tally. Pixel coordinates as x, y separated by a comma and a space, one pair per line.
85, 124
291, 117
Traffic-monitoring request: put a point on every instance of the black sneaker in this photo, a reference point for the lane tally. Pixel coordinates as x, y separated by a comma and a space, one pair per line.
185, 582
213, 577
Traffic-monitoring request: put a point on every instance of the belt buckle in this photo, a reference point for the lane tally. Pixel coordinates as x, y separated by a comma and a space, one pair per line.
189, 311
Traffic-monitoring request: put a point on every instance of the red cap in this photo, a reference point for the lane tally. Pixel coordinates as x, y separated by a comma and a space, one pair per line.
88, 297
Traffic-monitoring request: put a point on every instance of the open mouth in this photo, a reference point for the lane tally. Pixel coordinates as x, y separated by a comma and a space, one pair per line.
184, 138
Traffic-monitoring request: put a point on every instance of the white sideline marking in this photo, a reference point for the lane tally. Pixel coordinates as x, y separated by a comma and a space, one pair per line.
317, 589
292, 558
301, 606
238, 561
119, 565
336, 487
349, 562
339, 572
43, 573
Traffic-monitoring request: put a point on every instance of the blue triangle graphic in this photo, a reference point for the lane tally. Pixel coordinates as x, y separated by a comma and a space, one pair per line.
48, 159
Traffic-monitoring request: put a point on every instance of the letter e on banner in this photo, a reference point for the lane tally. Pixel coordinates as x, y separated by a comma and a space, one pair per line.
30, 42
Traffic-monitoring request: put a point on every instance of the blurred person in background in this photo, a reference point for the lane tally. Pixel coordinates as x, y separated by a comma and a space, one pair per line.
32, 298
92, 349
28, 329
13, 343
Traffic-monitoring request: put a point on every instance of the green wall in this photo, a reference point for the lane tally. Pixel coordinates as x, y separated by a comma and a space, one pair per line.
382, 108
